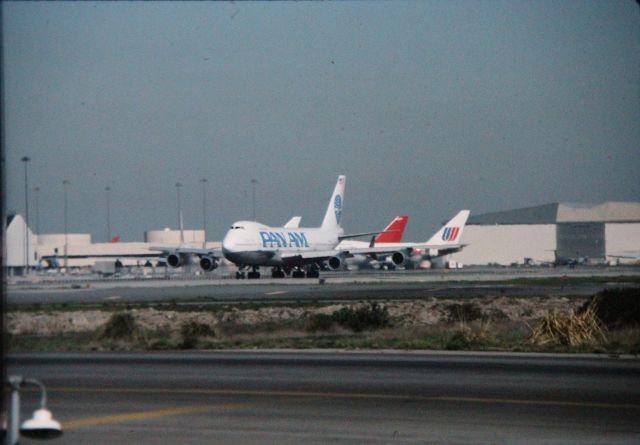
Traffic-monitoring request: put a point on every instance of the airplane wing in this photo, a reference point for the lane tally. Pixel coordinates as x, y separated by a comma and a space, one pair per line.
188, 251
357, 235
309, 257
380, 250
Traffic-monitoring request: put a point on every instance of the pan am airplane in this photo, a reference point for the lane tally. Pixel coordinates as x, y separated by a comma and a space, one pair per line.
250, 244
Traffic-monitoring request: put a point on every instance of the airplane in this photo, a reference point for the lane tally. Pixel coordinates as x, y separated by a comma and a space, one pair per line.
392, 233
250, 244
208, 259
445, 241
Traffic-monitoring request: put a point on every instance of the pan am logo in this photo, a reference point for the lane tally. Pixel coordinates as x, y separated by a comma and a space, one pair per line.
337, 207
450, 233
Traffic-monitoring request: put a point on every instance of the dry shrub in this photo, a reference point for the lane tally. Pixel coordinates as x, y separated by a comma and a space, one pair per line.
568, 329
463, 312
467, 336
121, 326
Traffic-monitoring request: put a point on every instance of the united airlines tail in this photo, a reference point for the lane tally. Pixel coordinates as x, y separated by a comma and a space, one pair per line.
451, 232
333, 216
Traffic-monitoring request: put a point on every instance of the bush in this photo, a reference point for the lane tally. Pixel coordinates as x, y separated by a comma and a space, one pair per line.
616, 308
191, 331
567, 329
373, 316
319, 322
464, 312
121, 326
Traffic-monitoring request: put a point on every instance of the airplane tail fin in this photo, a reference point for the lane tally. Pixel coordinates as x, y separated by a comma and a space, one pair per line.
451, 232
394, 231
333, 216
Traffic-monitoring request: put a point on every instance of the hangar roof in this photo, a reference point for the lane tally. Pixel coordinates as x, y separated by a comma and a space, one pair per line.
563, 212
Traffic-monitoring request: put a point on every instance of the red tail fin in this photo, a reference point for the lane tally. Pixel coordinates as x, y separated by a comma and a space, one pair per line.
394, 231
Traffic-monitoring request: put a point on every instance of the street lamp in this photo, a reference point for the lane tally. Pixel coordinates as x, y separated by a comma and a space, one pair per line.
26, 160
41, 425
178, 185
37, 193
108, 190
253, 196
65, 184
204, 213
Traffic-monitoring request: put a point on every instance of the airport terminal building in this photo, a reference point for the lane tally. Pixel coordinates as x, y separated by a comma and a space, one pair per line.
606, 233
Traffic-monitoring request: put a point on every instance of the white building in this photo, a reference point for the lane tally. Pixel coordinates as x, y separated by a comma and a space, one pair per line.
76, 250
595, 233
18, 240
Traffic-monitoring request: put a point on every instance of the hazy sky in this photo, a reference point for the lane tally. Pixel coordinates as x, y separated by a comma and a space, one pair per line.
427, 107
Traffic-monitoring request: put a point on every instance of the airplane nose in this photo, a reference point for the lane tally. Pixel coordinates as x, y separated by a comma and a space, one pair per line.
227, 242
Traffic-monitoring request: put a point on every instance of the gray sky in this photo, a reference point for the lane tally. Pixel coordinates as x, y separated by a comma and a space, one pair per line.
427, 107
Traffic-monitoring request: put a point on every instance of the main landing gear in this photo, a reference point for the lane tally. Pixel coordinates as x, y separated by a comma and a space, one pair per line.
252, 275
310, 271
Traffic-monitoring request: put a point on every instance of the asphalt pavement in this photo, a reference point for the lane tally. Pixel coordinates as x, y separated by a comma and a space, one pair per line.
334, 286
337, 397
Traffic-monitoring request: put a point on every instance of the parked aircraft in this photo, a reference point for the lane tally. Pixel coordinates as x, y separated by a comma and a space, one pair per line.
445, 241
391, 234
186, 254
250, 244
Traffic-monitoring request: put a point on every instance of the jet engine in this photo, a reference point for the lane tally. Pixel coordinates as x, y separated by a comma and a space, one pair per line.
335, 262
175, 260
208, 263
398, 258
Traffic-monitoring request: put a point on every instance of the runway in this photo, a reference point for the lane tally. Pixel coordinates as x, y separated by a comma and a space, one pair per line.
302, 397
333, 286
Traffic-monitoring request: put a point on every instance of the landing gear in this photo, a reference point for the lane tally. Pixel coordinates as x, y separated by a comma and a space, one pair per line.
313, 271
239, 275
297, 273
277, 272
254, 274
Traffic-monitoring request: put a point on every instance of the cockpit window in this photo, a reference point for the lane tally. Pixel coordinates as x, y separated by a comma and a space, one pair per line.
237, 227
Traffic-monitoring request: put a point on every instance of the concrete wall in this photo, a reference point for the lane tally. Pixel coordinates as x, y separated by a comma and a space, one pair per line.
622, 239
16, 244
507, 244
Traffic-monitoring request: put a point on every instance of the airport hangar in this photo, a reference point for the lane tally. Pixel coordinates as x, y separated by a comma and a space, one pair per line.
606, 233
600, 233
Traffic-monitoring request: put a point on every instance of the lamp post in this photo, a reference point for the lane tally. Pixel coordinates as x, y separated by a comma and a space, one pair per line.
37, 194
253, 196
41, 425
178, 185
26, 160
65, 184
107, 189
204, 212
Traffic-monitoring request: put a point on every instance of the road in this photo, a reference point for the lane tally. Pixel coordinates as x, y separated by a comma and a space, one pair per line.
336, 286
346, 398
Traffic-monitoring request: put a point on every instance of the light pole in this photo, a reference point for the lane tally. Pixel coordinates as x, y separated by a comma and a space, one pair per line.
204, 212
178, 185
253, 196
41, 425
108, 190
26, 160
65, 184
37, 193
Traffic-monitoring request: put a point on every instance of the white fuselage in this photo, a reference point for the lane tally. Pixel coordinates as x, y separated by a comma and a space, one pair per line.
249, 243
